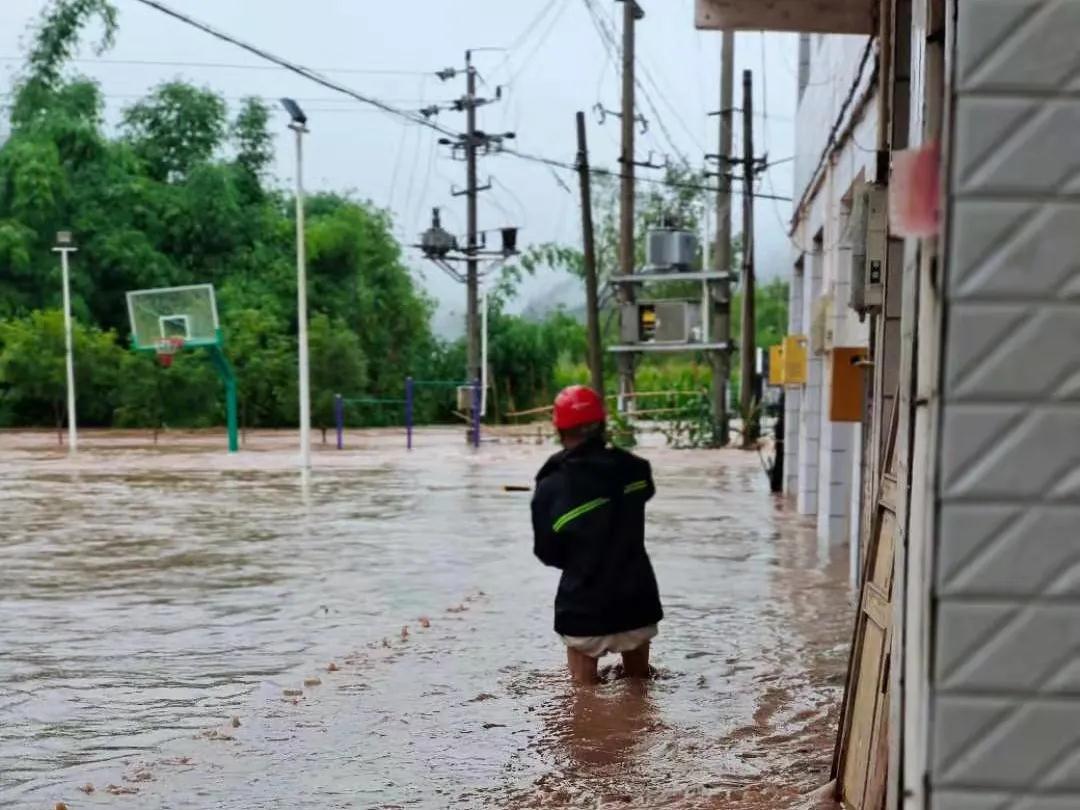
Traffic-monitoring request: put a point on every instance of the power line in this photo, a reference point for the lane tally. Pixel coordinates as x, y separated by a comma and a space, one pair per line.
414, 118
539, 44
605, 26
603, 172
307, 73
226, 66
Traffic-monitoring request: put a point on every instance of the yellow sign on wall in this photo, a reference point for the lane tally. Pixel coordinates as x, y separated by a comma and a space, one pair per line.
776, 365
794, 353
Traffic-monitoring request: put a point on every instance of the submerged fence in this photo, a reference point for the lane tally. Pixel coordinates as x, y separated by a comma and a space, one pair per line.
408, 404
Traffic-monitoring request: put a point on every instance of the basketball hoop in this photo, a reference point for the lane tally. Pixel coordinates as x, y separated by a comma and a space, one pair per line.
167, 348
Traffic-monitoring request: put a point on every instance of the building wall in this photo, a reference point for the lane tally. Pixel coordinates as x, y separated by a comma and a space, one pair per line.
825, 463
1005, 712
833, 65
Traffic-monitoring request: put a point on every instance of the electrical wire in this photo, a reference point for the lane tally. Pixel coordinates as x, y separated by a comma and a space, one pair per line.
606, 28
307, 73
410, 117
604, 172
226, 66
520, 69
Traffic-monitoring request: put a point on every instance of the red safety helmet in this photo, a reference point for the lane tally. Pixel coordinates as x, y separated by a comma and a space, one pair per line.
577, 405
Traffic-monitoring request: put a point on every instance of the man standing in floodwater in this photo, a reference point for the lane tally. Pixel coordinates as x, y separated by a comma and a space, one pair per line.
588, 517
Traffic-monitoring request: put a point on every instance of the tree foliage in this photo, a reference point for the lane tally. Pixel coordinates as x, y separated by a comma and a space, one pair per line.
182, 196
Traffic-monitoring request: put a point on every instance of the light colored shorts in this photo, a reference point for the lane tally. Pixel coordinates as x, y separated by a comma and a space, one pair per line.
599, 646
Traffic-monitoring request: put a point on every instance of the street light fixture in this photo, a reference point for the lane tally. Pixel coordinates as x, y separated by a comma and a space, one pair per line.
64, 246
298, 124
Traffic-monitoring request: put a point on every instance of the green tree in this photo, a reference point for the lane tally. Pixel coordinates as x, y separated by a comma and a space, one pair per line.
252, 139
33, 377
54, 43
176, 128
337, 365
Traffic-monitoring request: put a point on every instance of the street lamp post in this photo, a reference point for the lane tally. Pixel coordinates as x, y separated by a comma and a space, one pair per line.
298, 124
64, 246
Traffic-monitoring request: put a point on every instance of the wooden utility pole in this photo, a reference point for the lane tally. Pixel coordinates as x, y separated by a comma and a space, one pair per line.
472, 278
631, 13
592, 305
748, 346
722, 293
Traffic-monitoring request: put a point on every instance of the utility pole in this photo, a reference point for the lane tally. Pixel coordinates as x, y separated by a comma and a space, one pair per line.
472, 278
470, 146
592, 306
632, 12
748, 346
722, 300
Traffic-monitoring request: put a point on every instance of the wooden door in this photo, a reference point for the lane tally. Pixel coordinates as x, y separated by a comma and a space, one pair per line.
861, 761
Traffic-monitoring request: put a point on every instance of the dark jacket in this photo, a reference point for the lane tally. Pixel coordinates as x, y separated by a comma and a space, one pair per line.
589, 520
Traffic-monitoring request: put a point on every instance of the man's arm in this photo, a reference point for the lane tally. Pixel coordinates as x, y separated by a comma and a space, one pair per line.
546, 543
641, 485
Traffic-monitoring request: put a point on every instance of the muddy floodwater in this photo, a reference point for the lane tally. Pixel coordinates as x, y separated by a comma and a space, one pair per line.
184, 629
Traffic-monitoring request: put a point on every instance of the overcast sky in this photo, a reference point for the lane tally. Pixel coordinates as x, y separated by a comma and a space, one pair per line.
557, 64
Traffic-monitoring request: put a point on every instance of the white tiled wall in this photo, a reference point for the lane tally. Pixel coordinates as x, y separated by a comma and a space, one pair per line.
1006, 705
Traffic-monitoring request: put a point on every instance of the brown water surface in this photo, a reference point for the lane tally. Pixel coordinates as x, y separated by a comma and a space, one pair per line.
150, 595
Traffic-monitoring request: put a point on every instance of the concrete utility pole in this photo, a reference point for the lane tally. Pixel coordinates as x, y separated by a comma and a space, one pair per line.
472, 277
631, 13
722, 299
592, 305
748, 345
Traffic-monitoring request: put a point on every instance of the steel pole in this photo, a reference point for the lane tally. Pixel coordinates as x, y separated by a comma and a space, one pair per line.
69, 354
410, 393
483, 346
301, 304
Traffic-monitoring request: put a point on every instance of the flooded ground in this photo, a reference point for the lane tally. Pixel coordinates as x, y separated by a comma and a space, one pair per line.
185, 629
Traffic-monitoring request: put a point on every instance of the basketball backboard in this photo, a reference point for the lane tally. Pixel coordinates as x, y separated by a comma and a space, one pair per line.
188, 313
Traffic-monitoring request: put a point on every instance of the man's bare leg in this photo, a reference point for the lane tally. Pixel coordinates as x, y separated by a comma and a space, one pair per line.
636, 662
582, 667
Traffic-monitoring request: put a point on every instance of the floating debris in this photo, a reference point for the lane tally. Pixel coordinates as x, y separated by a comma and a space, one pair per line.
292, 692
313, 681
121, 790
213, 734
140, 775
459, 609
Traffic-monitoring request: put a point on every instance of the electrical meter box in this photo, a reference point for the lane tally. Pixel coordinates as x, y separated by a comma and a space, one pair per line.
867, 235
776, 364
795, 360
669, 322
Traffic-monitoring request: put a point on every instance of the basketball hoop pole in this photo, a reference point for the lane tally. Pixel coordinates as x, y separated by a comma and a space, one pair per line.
64, 247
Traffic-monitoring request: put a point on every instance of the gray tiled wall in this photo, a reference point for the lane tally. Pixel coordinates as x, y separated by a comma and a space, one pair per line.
1006, 672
